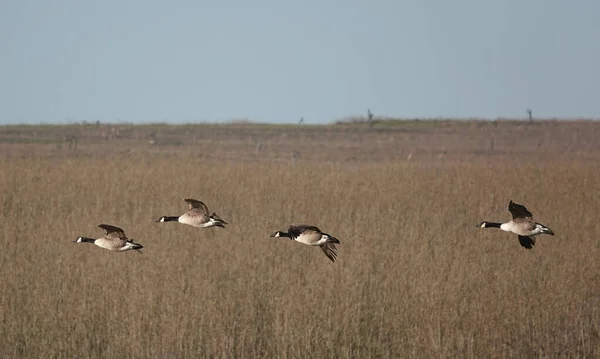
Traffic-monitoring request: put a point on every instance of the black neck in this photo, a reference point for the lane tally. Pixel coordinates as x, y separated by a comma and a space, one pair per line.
170, 218
286, 235
88, 239
492, 224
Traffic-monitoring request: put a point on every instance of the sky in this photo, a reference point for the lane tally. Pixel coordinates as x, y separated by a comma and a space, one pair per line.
181, 61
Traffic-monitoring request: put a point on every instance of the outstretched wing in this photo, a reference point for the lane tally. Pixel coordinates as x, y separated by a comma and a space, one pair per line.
196, 205
518, 211
527, 242
330, 251
112, 231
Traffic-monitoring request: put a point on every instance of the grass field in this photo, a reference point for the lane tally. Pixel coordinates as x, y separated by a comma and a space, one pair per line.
415, 277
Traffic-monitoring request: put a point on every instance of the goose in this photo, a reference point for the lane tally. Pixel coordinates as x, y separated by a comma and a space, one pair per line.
197, 216
521, 225
114, 240
312, 236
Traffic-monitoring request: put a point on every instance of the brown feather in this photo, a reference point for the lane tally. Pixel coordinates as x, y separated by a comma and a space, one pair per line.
194, 217
112, 231
194, 204
114, 237
519, 211
330, 251
522, 226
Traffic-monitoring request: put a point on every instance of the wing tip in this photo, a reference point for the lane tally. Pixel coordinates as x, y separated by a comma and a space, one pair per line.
330, 251
527, 242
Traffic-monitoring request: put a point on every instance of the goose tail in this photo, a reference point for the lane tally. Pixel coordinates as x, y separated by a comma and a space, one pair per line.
134, 246
545, 229
217, 221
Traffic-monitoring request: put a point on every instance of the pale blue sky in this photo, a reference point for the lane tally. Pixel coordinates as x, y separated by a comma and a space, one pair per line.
277, 61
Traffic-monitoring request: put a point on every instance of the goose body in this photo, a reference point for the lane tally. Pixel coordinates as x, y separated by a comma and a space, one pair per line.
114, 240
312, 236
196, 216
521, 224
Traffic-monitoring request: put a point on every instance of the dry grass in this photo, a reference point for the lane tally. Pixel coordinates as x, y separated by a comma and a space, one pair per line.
415, 277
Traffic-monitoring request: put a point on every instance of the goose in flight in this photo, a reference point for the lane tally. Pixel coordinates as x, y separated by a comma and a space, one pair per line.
312, 236
521, 224
197, 216
114, 240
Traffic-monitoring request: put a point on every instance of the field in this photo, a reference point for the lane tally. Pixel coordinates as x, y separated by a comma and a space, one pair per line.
415, 277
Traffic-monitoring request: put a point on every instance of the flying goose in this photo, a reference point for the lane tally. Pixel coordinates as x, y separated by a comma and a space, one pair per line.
311, 236
197, 216
114, 240
521, 225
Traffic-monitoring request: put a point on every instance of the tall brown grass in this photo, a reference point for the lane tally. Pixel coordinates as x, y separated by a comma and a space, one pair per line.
415, 276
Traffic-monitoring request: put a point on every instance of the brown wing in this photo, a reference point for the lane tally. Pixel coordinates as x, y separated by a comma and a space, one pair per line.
518, 210
108, 229
527, 242
112, 232
330, 251
298, 229
194, 204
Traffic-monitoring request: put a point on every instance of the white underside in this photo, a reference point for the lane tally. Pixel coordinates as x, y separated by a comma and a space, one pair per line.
211, 222
511, 227
126, 247
321, 241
